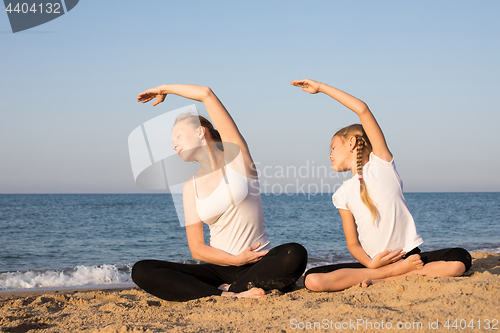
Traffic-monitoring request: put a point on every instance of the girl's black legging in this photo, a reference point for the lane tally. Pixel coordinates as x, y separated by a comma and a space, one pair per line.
279, 269
451, 254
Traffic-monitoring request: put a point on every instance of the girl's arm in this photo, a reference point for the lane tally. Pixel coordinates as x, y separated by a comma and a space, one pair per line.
201, 251
370, 125
221, 119
351, 237
355, 248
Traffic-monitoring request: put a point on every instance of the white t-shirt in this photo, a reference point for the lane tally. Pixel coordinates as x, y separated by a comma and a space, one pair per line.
394, 228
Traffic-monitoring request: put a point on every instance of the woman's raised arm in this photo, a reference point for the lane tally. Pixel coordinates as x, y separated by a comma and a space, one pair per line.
221, 119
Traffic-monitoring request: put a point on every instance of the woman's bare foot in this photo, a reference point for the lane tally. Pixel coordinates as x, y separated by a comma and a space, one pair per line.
224, 287
252, 293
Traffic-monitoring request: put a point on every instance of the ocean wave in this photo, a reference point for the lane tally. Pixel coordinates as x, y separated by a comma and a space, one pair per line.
493, 249
79, 276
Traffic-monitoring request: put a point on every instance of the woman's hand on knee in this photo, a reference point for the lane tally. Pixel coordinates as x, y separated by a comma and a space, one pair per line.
249, 256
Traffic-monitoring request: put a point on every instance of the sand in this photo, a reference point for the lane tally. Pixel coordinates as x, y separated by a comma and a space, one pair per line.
408, 304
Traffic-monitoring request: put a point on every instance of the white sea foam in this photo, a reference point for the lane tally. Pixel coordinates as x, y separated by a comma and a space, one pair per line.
488, 249
80, 276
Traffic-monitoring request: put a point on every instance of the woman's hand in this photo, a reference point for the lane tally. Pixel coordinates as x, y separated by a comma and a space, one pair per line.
386, 258
248, 256
158, 93
308, 85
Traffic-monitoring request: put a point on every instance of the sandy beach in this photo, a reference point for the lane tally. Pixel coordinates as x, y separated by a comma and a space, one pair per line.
469, 303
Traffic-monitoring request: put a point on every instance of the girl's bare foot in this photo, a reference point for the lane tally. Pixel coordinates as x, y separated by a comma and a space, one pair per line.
407, 265
401, 268
368, 282
224, 287
252, 293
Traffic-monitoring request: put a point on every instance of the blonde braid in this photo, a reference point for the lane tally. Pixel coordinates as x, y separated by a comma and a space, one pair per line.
360, 145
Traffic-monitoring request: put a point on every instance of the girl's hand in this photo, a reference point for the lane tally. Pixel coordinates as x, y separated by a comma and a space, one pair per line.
386, 258
248, 256
308, 85
152, 93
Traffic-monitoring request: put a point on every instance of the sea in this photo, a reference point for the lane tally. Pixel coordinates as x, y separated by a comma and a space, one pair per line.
50, 241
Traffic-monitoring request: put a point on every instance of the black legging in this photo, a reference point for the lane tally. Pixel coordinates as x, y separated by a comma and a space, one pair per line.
451, 254
279, 269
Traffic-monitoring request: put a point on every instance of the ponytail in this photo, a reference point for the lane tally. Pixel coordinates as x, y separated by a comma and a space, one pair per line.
215, 134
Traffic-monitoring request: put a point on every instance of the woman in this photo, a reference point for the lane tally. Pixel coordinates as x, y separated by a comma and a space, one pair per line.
224, 193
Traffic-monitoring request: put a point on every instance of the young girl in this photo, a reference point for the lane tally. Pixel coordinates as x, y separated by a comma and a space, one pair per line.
379, 229
224, 193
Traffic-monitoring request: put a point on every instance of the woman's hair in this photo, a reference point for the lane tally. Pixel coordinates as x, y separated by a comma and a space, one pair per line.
362, 144
204, 122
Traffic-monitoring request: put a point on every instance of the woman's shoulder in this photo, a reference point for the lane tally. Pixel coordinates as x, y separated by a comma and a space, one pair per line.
188, 187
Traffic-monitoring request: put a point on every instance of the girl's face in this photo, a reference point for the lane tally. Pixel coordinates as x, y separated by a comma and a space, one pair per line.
186, 139
341, 156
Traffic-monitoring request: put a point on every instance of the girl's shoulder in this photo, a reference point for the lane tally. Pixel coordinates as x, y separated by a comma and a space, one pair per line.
374, 159
340, 197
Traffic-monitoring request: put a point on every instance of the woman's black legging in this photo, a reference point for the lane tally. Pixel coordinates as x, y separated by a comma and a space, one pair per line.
279, 269
450, 254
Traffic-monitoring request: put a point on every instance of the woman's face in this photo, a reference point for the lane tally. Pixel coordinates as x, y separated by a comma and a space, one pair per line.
186, 139
341, 157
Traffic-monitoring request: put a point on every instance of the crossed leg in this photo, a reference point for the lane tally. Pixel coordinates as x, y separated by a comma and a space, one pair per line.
441, 263
342, 276
278, 269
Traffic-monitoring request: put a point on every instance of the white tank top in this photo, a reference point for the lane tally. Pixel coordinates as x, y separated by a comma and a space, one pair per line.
234, 214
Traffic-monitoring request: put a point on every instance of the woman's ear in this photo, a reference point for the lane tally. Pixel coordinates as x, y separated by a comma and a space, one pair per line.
201, 132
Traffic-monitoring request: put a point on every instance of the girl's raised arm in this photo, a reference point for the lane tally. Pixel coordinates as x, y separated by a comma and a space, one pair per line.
368, 121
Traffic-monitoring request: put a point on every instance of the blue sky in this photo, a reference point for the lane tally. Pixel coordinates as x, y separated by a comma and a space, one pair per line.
428, 70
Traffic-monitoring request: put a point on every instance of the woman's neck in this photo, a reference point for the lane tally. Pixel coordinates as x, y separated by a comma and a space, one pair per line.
212, 158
